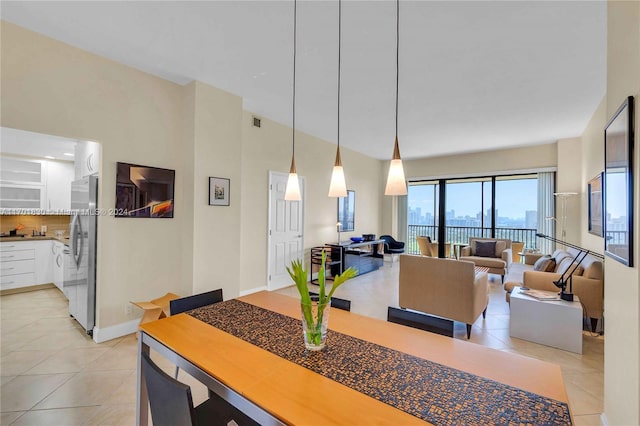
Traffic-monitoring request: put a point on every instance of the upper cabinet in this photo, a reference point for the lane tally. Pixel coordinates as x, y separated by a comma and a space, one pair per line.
42, 185
21, 170
59, 177
87, 158
22, 183
36, 170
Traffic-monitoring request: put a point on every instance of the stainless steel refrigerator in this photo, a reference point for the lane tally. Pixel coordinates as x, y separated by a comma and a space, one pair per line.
80, 268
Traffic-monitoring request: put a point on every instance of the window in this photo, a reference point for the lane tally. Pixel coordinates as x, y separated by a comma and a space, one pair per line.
493, 206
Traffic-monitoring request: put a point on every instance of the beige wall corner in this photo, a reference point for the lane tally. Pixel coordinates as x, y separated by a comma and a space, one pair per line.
217, 151
569, 179
592, 164
622, 284
50, 87
268, 148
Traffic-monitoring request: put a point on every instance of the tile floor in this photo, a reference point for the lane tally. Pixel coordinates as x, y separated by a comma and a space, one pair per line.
52, 373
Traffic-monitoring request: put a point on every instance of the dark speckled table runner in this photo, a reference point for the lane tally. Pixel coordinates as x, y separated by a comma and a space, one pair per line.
433, 392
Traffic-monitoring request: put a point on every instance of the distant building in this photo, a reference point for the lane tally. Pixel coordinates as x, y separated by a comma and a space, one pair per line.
531, 219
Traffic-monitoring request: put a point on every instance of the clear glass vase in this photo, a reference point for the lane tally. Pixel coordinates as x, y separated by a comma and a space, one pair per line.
315, 317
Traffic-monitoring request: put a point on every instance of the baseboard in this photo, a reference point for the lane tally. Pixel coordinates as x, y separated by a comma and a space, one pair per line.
26, 289
603, 419
113, 332
253, 290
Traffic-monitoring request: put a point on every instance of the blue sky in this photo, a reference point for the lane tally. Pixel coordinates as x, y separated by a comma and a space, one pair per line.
513, 197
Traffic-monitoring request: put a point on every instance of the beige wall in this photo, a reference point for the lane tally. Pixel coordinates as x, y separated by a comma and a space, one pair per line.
268, 148
53, 88
569, 179
622, 288
217, 153
488, 162
592, 165
199, 131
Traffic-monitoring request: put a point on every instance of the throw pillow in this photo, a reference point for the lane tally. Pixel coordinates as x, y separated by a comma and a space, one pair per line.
545, 264
486, 248
564, 265
500, 247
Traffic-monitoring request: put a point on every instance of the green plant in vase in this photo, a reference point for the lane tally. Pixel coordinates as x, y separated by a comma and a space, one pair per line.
314, 310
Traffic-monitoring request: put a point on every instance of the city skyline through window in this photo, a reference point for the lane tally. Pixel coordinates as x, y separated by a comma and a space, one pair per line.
470, 208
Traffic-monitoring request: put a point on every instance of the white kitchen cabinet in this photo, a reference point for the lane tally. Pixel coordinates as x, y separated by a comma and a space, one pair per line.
35, 184
22, 183
60, 174
44, 262
22, 170
58, 264
87, 159
25, 263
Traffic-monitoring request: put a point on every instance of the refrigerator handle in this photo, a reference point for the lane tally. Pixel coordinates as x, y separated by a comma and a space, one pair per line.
80, 235
72, 235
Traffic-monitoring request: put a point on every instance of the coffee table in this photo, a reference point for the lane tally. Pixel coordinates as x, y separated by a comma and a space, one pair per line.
555, 323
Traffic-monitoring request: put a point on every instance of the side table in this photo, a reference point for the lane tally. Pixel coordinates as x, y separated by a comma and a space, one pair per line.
555, 323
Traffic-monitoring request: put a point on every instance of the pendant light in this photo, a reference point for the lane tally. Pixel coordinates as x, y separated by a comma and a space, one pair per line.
338, 186
292, 192
396, 183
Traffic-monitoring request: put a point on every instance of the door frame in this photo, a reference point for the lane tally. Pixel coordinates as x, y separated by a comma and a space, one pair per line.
269, 214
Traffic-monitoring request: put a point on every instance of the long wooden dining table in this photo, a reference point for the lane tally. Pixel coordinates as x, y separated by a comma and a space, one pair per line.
274, 390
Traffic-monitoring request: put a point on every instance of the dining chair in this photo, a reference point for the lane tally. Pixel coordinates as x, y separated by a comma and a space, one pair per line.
183, 304
172, 404
336, 302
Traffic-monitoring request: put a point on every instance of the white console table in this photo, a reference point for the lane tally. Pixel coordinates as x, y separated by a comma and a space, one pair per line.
555, 323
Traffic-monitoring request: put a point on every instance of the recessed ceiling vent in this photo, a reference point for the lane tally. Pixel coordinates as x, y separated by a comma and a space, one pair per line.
256, 122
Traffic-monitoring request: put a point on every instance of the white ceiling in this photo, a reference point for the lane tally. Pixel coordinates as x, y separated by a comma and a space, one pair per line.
474, 75
31, 144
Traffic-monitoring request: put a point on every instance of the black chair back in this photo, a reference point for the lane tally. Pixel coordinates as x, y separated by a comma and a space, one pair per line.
337, 303
183, 304
170, 401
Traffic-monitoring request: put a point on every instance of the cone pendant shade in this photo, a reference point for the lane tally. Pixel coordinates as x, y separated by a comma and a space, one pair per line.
396, 183
293, 185
338, 186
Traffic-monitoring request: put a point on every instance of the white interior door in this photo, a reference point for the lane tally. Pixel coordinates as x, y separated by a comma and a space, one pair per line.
286, 231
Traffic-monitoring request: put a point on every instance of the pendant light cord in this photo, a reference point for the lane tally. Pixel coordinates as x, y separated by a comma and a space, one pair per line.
397, 59
339, 61
293, 135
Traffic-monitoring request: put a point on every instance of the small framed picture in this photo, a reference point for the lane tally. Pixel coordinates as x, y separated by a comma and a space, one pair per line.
219, 191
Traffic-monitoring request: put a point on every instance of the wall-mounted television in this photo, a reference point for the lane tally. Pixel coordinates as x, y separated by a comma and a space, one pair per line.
143, 191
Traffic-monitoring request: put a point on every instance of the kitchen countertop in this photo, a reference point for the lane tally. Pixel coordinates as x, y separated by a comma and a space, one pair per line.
64, 240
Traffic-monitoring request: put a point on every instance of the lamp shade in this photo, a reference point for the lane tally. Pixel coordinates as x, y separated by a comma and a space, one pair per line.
338, 187
396, 184
292, 193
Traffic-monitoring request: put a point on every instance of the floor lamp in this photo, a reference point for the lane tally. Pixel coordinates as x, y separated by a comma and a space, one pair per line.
563, 196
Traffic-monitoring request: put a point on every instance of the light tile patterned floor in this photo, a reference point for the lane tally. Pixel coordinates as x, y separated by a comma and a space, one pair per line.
52, 373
